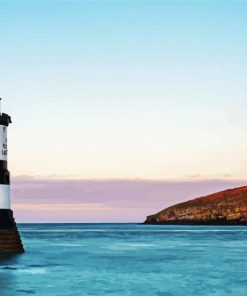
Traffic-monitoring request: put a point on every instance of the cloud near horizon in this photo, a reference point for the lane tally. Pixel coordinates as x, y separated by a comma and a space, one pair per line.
60, 200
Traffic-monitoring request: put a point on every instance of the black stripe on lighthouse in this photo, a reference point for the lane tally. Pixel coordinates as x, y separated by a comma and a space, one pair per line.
4, 173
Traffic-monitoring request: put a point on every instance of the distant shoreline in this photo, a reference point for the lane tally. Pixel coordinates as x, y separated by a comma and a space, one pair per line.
199, 223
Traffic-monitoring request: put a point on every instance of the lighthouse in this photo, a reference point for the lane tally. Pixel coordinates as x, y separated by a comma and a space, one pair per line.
10, 241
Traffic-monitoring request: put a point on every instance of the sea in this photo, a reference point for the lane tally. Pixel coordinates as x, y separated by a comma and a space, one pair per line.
127, 259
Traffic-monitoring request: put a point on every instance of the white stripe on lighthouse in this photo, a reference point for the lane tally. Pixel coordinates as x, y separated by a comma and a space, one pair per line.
4, 188
4, 197
3, 143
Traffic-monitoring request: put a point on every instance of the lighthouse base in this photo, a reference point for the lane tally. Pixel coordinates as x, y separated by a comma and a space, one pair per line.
10, 241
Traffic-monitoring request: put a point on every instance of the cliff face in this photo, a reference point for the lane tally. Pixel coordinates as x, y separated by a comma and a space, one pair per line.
222, 208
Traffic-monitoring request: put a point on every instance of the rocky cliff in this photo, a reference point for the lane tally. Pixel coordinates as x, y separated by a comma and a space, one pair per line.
223, 208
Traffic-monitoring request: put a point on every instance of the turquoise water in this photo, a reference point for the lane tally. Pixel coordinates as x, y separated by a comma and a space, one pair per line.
127, 259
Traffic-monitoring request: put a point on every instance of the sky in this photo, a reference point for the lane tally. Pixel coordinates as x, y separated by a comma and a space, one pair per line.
136, 92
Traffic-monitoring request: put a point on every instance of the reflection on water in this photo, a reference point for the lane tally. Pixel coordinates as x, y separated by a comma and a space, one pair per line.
8, 263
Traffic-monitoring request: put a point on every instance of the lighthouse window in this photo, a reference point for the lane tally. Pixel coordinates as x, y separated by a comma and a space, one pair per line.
4, 129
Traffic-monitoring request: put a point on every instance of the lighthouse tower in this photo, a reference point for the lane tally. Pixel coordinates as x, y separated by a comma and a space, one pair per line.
10, 241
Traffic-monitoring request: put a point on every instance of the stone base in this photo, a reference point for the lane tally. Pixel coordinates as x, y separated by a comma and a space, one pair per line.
10, 241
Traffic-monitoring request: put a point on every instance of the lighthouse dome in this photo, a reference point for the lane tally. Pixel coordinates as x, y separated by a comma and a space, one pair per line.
5, 119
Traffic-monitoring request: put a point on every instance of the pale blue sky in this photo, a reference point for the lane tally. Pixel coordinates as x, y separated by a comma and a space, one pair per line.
126, 89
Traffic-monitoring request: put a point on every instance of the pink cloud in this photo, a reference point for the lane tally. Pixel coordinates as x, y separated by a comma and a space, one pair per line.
43, 200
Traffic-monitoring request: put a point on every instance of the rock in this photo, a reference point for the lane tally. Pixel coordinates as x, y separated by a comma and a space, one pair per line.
227, 207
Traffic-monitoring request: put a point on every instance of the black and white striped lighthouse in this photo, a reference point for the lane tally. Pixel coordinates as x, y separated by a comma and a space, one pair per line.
10, 241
